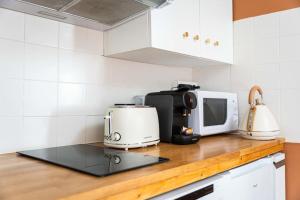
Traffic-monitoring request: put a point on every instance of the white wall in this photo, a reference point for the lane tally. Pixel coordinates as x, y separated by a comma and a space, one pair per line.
55, 84
267, 53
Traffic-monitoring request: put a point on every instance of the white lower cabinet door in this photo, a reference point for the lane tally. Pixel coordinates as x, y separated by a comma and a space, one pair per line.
252, 182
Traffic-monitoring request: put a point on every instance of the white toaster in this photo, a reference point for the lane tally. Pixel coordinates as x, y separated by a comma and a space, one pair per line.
131, 126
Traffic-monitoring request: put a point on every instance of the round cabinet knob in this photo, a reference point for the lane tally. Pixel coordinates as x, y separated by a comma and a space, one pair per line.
185, 34
207, 41
117, 136
196, 37
216, 43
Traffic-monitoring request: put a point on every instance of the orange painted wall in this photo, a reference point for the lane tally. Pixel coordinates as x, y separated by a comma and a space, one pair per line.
292, 153
250, 8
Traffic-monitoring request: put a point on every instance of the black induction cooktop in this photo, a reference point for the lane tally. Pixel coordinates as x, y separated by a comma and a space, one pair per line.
97, 161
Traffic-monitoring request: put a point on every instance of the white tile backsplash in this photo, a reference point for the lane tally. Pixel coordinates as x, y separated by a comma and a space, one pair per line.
11, 97
241, 78
244, 30
96, 102
11, 25
97, 72
71, 130
290, 75
11, 59
243, 103
80, 39
266, 25
289, 22
272, 98
219, 82
289, 48
73, 66
55, 85
94, 129
243, 38
11, 133
40, 98
41, 63
290, 114
41, 31
78, 67
267, 76
71, 100
39, 132
266, 50
140, 75
54, 78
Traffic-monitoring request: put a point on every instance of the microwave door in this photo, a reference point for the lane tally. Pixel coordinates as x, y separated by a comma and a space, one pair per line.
214, 117
214, 111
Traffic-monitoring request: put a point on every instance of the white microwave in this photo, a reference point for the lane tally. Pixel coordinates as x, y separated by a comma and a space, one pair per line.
216, 112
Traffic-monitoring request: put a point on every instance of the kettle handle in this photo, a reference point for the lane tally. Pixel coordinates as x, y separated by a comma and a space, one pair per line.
252, 93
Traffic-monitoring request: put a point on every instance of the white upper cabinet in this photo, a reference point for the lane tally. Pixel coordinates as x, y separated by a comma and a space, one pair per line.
173, 28
187, 33
216, 30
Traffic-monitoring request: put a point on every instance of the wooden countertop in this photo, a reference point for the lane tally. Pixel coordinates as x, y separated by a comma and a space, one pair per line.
25, 178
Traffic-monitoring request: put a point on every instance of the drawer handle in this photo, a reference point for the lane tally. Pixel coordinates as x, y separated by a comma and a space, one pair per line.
279, 164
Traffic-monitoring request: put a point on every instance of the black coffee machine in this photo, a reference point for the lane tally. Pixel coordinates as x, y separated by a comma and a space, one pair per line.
173, 108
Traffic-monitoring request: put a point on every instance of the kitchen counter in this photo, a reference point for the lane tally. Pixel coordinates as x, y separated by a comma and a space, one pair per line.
26, 178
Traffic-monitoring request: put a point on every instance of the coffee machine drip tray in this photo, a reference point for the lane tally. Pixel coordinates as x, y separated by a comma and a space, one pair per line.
97, 161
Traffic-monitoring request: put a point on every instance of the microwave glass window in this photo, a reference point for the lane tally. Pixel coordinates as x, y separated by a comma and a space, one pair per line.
214, 111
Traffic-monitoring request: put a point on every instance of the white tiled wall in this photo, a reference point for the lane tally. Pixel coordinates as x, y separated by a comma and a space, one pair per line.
55, 85
267, 52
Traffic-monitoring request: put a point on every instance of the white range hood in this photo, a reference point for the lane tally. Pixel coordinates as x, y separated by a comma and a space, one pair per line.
95, 14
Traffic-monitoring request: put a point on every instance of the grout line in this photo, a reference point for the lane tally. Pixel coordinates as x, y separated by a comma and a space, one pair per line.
12, 40
23, 82
58, 83
40, 45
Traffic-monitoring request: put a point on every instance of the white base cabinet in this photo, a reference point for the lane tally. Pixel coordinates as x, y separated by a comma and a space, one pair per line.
253, 181
263, 179
185, 33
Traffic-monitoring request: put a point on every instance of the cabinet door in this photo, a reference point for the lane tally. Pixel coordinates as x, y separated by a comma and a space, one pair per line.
257, 184
216, 30
170, 23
